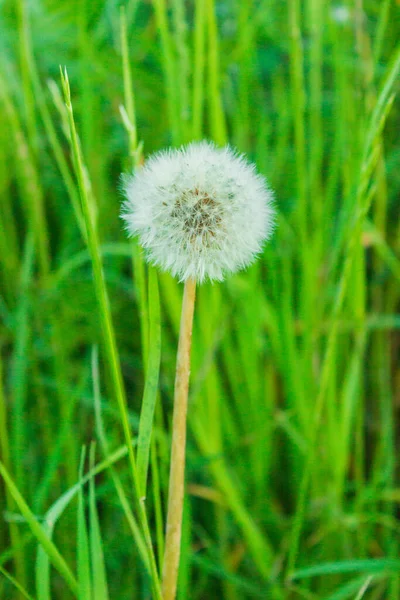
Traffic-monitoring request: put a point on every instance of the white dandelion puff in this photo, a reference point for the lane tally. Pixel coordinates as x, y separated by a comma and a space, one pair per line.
199, 212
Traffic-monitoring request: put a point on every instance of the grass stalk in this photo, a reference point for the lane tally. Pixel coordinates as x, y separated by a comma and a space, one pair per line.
198, 70
362, 205
39, 532
106, 320
28, 179
5, 454
169, 66
217, 117
128, 90
25, 55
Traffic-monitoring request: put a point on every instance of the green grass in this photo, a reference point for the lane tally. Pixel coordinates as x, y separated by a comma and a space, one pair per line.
292, 474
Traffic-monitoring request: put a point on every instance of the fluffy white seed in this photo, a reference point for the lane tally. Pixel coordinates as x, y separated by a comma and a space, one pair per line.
199, 212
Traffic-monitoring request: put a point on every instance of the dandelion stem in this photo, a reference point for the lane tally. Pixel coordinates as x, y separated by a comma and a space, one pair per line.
177, 468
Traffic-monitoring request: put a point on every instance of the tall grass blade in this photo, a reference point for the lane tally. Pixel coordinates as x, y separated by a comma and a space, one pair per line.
100, 587
16, 584
83, 550
40, 533
151, 385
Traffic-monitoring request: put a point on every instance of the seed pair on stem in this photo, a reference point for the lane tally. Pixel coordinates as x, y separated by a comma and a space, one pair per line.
199, 212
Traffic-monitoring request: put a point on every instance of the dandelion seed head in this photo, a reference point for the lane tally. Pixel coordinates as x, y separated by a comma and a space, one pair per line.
199, 212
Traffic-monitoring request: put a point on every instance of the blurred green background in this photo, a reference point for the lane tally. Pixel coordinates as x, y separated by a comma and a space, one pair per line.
292, 477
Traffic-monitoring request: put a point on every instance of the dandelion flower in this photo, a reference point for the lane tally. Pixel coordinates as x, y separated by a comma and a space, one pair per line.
199, 212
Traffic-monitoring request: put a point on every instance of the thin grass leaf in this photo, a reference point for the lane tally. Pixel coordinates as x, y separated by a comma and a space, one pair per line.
383, 249
198, 69
383, 101
12, 550
42, 569
19, 364
245, 585
370, 565
170, 69
130, 121
105, 316
217, 116
29, 180
355, 586
99, 280
106, 321
83, 552
151, 384
363, 201
133, 525
364, 588
40, 533
57, 509
100, 588
15, 583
